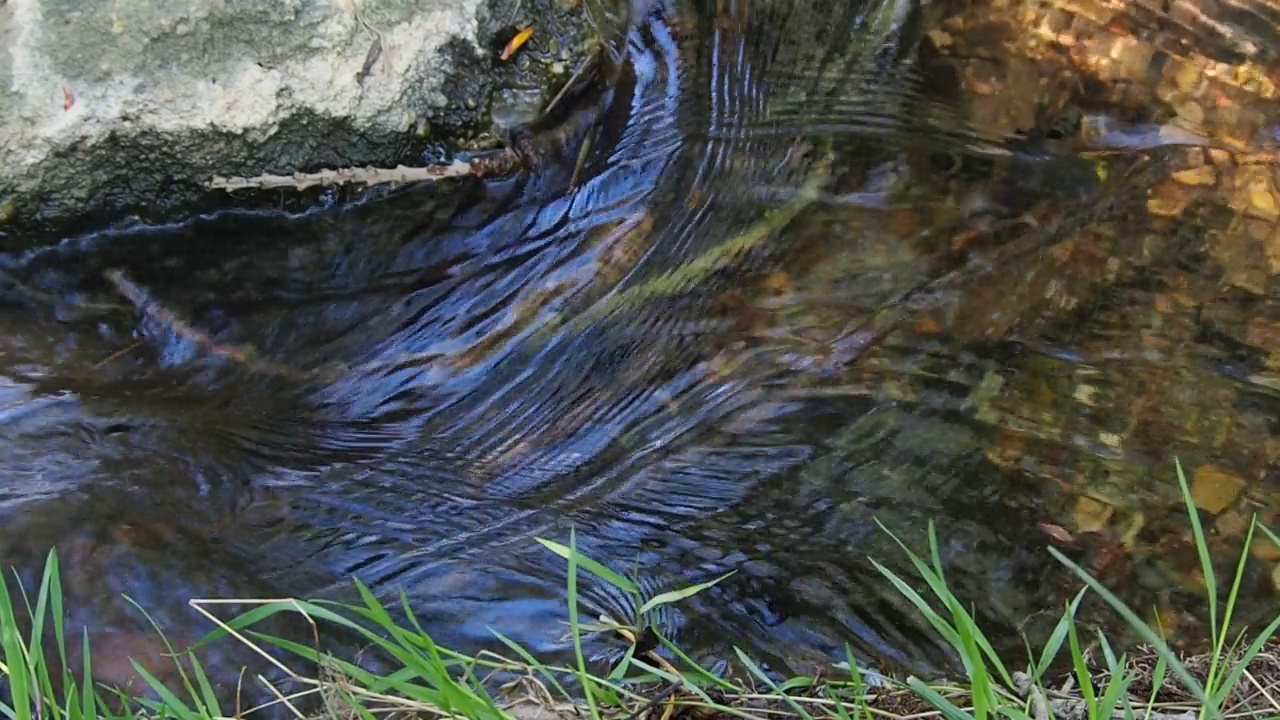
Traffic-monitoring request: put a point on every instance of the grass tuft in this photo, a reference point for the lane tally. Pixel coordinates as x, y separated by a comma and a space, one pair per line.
656, 680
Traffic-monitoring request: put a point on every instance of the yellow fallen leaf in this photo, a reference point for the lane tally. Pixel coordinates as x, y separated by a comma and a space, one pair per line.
940, 38
514, 43
1203, 175
1188, 75
1264, 201
1091, 515
1166, 206
1214, 489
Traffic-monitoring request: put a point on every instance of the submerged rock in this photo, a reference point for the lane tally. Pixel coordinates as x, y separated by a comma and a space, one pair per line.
129, 108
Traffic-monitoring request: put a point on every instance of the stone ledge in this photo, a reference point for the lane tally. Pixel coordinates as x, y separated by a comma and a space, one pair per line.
108, 109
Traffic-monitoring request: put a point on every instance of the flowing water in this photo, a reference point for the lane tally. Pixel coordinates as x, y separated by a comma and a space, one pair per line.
790, 289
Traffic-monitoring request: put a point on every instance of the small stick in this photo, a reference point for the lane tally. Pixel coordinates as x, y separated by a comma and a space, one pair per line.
116, 355
655, 701
577, 74
152, 309
343, 176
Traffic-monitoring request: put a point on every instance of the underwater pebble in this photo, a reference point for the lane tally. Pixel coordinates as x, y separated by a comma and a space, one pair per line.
1264, 548
1083, 394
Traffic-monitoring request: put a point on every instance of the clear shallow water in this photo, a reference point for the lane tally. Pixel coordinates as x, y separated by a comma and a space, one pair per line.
681, 349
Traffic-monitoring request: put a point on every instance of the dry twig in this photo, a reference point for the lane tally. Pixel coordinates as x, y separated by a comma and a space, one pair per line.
344, 176
158, 313
1073, 708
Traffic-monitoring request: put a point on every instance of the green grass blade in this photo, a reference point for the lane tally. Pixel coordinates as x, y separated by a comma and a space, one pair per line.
1157, 682
981, 690
316, 611
842, 713
167, 697
693, 688
859, 684
1059, 635
575, 628
1141, 628
459, 696
591, 566
361, 676
1084, 678
620, 670
1272, 536
935, 578
89, 699
248, 619
1107, 653
934, 698
182, 672
673, 596
532, 662
39, 614
1202, 549
57, 610
39, 663
799, 682
1228, 683
208, 697
15, 659
942, 626
701, 674
1117, 689
1214, 683
777, 691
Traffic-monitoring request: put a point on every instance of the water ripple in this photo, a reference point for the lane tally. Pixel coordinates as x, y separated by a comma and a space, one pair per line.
481, 364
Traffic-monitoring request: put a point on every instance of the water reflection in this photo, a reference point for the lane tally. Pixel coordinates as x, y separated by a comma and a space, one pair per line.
789, 291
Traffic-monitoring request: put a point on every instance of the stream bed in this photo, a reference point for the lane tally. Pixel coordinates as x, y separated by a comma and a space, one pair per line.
820, 266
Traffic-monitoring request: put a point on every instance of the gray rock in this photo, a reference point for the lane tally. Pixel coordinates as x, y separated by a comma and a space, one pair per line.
129, 107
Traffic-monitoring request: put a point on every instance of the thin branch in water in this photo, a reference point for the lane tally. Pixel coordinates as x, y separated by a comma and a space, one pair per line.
583, 66
116, 355
149, 307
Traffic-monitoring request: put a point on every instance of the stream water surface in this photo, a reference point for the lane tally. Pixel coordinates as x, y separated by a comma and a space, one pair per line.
793, 287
